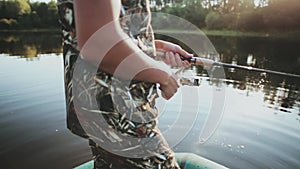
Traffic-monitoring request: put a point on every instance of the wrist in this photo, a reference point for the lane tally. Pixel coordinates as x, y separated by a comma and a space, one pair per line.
164, 78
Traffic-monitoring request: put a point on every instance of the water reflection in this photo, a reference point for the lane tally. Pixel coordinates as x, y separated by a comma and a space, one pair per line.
282, 98
30, 44
267, 53
276, 54
279, 92
259, 107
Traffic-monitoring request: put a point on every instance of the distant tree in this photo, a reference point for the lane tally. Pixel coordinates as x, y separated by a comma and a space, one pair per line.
282, 15
190, 10
247, 5
14, 9
195, 13
233, 5
212, 20
52, 14
42, 10
23, 7
250, 21
43, 15
217, 20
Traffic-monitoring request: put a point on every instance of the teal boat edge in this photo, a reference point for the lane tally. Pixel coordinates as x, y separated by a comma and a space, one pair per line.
185, 160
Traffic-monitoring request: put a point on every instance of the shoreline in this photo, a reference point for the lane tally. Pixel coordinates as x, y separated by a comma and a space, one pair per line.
233, 33
52, 30
226, 33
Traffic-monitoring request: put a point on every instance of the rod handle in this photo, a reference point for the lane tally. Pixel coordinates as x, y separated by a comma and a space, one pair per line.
193, 60
199, 61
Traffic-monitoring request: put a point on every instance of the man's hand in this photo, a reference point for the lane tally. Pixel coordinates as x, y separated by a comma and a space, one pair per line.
169, 87
170, 53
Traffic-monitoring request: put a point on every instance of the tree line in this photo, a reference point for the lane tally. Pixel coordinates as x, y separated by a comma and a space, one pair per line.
242, 15
22, 14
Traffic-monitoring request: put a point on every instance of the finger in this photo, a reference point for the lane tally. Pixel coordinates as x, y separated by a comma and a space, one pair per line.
167, 93
186, 63
163, 95
167, 96
166, 58
172, 59
183, 53
178, 60
186, 54
170, 92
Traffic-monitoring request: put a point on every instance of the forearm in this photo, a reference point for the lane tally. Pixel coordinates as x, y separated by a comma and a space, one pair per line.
102, 42
127, 61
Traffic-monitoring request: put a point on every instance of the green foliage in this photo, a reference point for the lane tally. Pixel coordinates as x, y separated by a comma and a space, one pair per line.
250, 21
261, 16
281, 15
23, 7
21, 14
13, 9
271, 15
216, 20
191, 12
212, 20
195, 13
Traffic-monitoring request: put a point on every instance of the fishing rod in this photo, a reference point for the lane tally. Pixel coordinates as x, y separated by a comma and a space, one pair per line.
195, 60
203, 61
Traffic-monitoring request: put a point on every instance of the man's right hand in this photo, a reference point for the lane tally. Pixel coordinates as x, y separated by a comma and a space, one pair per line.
169, 87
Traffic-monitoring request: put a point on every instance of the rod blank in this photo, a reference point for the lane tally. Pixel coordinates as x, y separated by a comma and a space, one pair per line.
202, 61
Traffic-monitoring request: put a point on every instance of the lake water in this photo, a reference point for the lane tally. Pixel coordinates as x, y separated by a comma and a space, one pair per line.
259, 128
